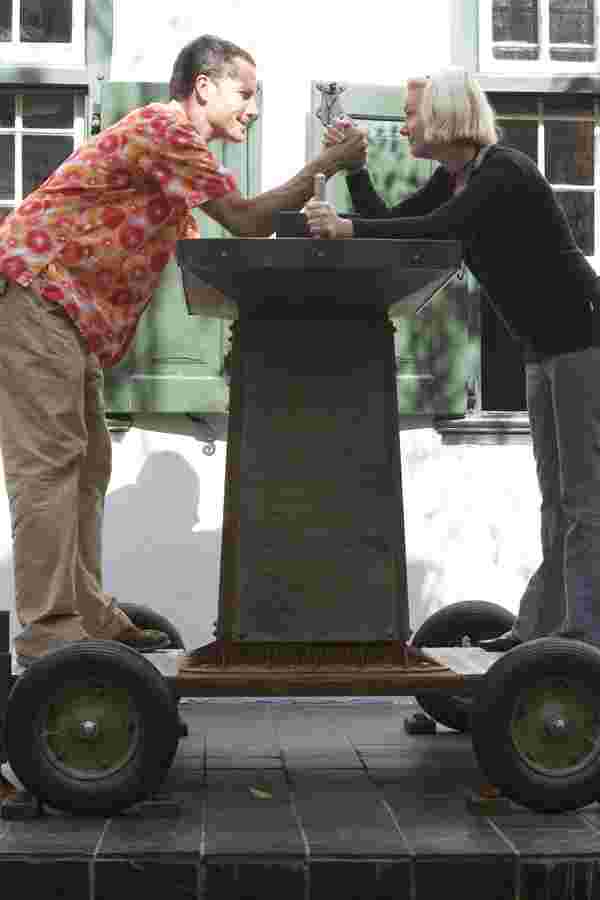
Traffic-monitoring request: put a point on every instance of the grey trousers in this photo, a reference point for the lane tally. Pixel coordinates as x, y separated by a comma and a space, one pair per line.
563, 399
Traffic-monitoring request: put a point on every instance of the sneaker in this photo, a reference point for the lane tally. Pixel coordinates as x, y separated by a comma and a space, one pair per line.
502, 643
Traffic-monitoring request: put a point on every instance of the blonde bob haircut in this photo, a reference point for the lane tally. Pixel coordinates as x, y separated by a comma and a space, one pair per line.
454, 109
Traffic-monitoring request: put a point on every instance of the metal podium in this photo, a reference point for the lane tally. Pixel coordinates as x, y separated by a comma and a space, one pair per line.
313, 567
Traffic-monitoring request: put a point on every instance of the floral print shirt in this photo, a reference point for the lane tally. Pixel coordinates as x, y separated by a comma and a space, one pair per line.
96, 235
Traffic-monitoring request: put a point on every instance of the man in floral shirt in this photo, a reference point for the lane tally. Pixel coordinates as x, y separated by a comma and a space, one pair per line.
82, 256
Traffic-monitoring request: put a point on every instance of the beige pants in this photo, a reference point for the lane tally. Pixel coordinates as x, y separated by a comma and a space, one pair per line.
57, 460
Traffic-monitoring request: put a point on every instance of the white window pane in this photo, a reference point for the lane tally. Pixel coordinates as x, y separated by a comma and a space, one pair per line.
5, 20
570, 152
515, 20
579, 208
46, 21
7, 170
47, 110
41, 156
7, 110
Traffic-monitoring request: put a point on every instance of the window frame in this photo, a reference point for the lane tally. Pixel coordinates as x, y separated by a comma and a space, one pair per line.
46, 53
544, 62
77, 132
496, 344
541, 118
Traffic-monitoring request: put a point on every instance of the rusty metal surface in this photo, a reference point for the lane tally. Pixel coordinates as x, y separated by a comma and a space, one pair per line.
207, 680
339, 668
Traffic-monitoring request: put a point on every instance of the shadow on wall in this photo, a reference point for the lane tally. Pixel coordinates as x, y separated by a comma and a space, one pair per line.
151, 553
424, 598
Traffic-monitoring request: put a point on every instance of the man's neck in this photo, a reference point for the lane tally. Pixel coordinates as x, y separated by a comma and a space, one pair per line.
193, 113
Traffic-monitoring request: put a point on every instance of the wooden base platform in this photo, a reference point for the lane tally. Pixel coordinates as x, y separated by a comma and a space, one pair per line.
239, 670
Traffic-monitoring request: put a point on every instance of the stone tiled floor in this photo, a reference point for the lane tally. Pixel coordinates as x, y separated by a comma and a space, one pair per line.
310, 800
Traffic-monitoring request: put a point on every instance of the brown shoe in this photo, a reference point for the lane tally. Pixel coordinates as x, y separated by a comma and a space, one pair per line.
144, 640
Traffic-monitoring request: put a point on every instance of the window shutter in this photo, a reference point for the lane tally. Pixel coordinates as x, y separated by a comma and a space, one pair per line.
175, 364
438, 351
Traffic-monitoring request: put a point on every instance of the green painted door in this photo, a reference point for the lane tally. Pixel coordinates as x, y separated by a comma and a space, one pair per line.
438, 351
175, 364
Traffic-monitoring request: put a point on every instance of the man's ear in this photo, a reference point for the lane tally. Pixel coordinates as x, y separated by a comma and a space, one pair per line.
201, 89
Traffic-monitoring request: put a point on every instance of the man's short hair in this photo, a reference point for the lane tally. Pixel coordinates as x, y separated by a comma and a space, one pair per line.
454, 108
207, 55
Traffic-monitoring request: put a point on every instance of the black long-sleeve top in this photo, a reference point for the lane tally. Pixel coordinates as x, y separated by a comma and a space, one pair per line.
516, 241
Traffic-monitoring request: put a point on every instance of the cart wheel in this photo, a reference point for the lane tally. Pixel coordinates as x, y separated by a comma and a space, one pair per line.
445, 628
536, 724
91, 728
145, 617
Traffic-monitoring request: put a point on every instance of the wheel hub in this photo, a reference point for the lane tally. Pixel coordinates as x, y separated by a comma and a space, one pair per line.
556, 727
89, 731
556, 724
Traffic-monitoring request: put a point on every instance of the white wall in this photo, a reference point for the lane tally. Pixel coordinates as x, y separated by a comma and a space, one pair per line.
471, 512
293, 44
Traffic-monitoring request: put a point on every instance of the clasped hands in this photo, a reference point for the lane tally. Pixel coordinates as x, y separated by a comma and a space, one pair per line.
321, 217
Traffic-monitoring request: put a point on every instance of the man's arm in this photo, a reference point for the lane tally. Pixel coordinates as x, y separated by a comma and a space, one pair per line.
255, 216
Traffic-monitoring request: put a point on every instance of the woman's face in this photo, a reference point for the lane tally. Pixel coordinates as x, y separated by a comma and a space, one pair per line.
414, 127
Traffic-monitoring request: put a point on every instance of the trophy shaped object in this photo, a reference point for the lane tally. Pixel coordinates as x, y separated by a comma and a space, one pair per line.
331, 109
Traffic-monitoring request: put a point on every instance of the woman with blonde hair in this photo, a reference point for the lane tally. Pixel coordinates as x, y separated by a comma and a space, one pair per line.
518, 243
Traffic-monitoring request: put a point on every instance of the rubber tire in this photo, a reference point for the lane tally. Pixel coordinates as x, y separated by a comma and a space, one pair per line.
445, 628
97, 662
145, 617
492, 714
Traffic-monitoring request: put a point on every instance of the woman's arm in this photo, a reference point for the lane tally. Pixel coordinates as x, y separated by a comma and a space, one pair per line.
462, 214
368, 204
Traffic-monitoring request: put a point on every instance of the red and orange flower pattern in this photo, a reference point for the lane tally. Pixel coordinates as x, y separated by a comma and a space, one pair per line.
95, 236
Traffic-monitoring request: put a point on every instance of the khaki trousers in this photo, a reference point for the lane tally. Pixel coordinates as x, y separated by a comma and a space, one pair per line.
57, 461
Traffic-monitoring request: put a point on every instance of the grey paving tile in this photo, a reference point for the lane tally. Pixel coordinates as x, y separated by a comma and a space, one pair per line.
436, 764
247, 815
298, 760
174, 834
47, 878
298, 729
265, 879
51, 835
358, 880
134, 878
343, 814
242, 726
240, 761
535, 834
470, 878
556, 879
185, 775
439, 825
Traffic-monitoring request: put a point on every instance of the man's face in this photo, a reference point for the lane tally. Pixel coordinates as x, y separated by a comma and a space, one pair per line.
231, 102
413, 128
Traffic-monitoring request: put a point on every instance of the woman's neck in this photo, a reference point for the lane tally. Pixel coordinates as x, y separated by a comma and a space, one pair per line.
456, 156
